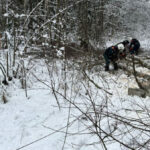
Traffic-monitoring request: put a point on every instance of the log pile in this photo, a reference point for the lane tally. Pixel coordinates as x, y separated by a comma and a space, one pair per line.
142, 79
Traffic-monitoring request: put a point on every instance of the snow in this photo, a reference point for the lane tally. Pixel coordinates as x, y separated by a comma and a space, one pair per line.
45, 35
62, 48
25, 115
6, 15
54, 21
8, 35
60, 52
32, 121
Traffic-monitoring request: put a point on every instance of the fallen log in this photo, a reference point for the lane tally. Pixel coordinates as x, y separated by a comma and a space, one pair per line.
130, 72
137, 92
139, 61
142, 63
144, 87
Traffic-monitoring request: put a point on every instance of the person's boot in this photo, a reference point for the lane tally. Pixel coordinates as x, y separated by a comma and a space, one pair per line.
106, 68
136, 52
115, 66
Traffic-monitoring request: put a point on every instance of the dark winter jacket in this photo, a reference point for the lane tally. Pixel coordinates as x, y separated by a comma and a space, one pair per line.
125, 43
134, 43
111, 53
134, 46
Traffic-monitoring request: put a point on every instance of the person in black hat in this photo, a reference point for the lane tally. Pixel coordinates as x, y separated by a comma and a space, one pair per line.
134, 46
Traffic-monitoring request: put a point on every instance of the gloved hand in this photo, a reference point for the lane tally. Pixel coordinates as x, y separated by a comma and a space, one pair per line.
131, 49
122, 56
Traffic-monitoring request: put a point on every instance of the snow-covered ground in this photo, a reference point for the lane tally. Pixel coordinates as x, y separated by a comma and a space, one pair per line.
36, 123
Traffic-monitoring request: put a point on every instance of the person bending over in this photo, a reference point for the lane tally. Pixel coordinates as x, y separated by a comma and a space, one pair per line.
111, 55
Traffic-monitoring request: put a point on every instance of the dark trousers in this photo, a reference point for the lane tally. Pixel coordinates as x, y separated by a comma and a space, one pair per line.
108, 60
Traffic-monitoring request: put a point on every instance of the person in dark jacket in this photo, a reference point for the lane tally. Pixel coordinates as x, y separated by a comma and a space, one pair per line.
125, 43
111, 55
134, 46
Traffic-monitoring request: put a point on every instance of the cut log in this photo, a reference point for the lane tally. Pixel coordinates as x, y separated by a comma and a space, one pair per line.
139, 61
130, 72
137, 92
142, 63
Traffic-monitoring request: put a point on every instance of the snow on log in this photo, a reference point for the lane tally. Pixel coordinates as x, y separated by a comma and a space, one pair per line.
137, 92
144, 88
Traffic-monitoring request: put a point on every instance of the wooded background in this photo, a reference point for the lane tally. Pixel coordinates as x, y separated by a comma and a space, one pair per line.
88, 23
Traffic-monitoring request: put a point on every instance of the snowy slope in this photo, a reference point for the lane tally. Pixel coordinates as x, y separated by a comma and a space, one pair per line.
36, 123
